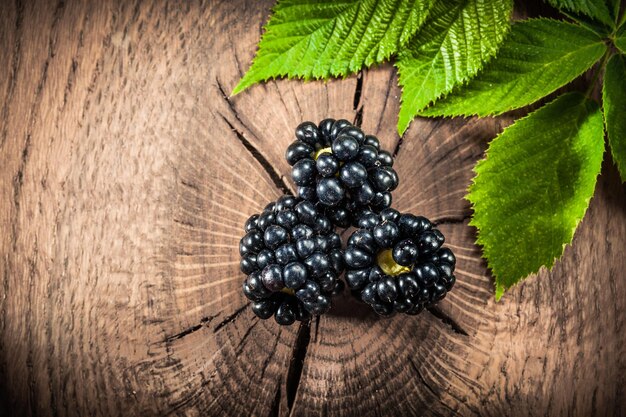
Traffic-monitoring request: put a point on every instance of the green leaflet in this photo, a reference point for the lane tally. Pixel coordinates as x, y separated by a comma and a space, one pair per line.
596, 9
534, 186
451, 47
537, 57
620, 42
318, 39
614, 103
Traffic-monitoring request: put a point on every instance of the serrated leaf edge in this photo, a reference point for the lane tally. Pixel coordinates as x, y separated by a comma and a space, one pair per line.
500, 289
453, 91
333, 73
461, 84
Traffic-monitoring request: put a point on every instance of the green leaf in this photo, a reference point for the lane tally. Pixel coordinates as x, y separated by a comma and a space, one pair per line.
596, 9
537, 57
450, 48
593, 25
620, 42
318, 39
534, 186
614, 103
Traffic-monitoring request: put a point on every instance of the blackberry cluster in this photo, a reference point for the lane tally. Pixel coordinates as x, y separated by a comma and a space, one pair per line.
336, 165
396, 262
292, 258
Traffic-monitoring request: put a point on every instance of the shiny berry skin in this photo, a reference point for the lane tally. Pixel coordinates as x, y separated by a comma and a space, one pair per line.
429, 242
329, 191
363, 239
317, 264
364, 194
405, 252
303, 172
285, 314
264, 309
306, 212
286, 253
287, 219
413, 225
395, 262
325, 127
292, 259
387, 290
264, 258
357, 258
305, 247
336, 165
309, 292
248, 264
297, 151
251, 223
295, 275
384, 179
353, 174
337, 127
386, 234
345, 148
372, 141
275, 236
385, 158
327, 165
272, 277
308, 133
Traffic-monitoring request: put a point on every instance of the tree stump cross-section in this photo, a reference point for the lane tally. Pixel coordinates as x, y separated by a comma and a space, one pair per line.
126, 174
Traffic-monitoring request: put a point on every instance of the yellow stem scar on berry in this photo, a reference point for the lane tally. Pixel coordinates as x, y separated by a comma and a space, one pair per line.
388, 265
288, 291
321, 151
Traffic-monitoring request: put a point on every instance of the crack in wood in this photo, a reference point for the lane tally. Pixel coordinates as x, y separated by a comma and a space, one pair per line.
184, 222
226, 98
398, 145
358, 89
240, 345
230, 318
190, 185
265, 164
358, 117
266, 363
297, 362
451, 220
446, 319
275, 407
390, 83
317, 327
422, 379
203, 322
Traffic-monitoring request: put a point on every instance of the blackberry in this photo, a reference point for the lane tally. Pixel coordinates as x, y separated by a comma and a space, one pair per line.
397, 262
336, 165
292, 259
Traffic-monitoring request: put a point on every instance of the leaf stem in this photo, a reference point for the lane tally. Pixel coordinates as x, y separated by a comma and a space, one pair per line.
622, 20
596, 75
619, 24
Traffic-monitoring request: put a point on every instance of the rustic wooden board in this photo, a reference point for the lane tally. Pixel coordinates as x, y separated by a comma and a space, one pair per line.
126, 173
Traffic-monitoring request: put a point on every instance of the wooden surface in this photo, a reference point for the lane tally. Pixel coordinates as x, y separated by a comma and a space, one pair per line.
126, 174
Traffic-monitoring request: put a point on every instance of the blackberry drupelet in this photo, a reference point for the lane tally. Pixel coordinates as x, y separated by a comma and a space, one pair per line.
292, 259
336, 165
396, 262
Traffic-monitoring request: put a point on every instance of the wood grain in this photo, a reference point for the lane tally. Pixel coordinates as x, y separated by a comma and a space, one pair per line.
126, 174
